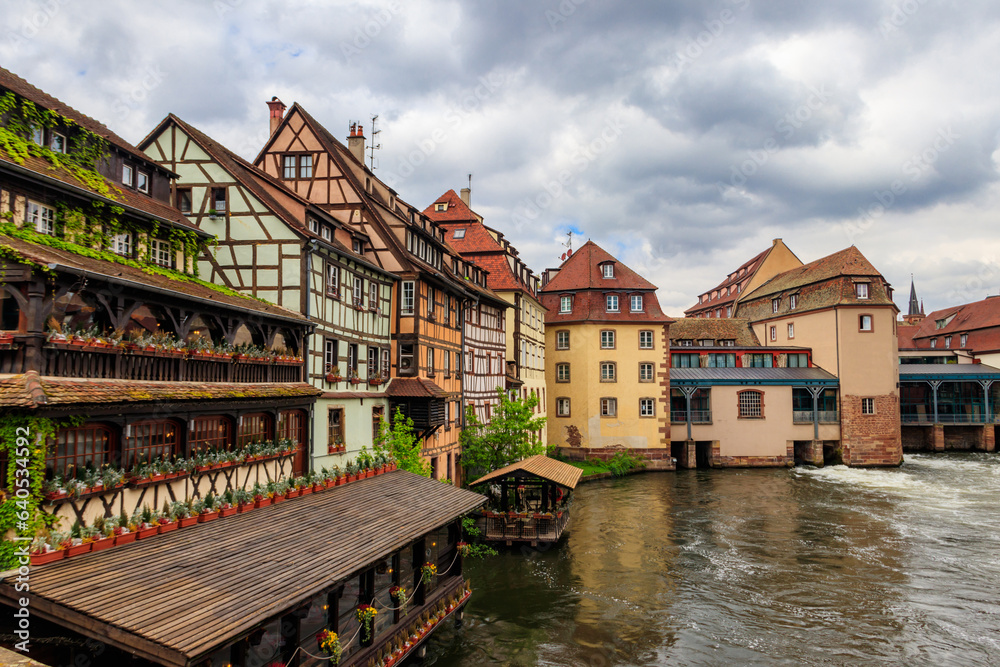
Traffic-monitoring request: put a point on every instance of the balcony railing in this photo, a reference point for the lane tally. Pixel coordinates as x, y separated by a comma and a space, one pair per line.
971, 418
78, 361
697, 416
510, 527
806, 416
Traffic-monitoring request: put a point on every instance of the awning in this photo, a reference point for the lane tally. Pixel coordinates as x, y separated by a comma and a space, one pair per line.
176, 598
539, 465
947, 372
414, 388
751, 376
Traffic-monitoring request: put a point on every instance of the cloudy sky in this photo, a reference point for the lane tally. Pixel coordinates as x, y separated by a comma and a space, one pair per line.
682, 136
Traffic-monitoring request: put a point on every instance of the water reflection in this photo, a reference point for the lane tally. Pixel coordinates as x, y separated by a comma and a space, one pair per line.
804, 566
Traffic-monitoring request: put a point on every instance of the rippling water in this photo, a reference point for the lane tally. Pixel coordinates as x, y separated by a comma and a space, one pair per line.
830, 566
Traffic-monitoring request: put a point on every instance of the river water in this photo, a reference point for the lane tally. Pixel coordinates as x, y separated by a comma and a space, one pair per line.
830, 566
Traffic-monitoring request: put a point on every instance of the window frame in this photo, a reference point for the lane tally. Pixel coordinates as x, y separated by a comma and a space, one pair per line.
559, 404
183, 196
305, 163
868, 406
652, 340
609, 371
333, 280
611, 303
608, 406
562, 376
289, 165
632, 301
407, 301
333, 431
791, 330
743, 407
562, 339
643, 402
160, 250
565, 304
607, 270
42, 219
142, 181
128, 175
862, 291
652, 371
609, 340
861, 323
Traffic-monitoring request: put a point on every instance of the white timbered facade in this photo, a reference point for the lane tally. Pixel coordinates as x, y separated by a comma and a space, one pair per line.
485, 350
276, 245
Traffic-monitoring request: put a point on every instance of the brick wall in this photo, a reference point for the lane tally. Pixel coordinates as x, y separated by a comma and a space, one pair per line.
658, 459
871, 440
917, 438
786, 461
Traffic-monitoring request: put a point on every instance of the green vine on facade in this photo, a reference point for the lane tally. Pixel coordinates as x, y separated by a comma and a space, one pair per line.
22, 516
86, 149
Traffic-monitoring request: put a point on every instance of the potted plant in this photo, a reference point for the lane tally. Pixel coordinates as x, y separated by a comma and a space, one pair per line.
167, 519
366, 617
329, 643
79, 542
333, 374
260, 497
244, 501
208, 509
147, 523
398, 593
427, 572
44, 549
123, 533
184, 512
227, 507
104, 537
354, 378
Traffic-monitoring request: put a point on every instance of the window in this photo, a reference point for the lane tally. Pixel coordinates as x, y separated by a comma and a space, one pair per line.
685, 342
774, 333
352, 359
647, 407
406, 304
611, 303
333, 280
160, 251
609, 407
431, 297
798, 360
335, 431
608, 339
865, 323
326, 233
145, 441
718, 312
447, 418
305, 166
775, 304
219, 200
758, 361
41, 218
210, 434
406, 365
430, 361
566, 304
646, 372
635, 303
751, 404
947, 341
372, 295
121, 244
314, 225
861, 290
58, 144
963, 339
793, 301
127, 175
685, 360
791, 330
608, 371
142, 181
288, 166
356, 246
359, 291
385, 363
184, 200
38, 135
727, 342
255, 427
562, 407
706, 342
372, 367
77, 449
562, 372
646, 339
720, 360
441, 207
729, 311
933, 342
459, 234
331, 360
378, 414
562, 340
867, 406
608, 270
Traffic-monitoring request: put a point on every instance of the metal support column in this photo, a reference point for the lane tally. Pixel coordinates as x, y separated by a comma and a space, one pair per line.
688, 392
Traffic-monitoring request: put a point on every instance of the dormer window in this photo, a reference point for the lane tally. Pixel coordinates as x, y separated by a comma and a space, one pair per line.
861, 290
775, 304
964, 339
160, 251
314, 225
121, 244
38, 135
41, 218
142, 182
793, 301
933, 342
459, 234
635, 303
566, 304
128, 175
356, 246
441, 206
326, 233
608, 270
611, 303
57, 143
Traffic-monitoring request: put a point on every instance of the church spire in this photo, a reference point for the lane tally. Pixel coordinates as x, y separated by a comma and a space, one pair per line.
914, 304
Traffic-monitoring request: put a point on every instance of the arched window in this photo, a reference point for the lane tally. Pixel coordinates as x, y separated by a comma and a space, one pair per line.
74, 450
284, 340
209, 433
148, 319
206, 328
148, 440
255, 427
75, 310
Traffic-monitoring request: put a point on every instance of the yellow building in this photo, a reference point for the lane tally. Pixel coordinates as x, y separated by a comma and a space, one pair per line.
608, 375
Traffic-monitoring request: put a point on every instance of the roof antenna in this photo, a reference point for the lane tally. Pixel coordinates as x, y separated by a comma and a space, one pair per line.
568, 245
373, 146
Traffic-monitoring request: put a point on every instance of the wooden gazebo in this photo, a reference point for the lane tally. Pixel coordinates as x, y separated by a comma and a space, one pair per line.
529, 500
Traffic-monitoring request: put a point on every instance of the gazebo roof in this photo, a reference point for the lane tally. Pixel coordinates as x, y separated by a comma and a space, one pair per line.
539, 465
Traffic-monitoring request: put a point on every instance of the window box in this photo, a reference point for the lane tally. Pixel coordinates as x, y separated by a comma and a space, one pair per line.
187, 522
103, 543
205, 517
333, 377
169, 526
147, 532
81, 549
124, 538
47, 556
261, 502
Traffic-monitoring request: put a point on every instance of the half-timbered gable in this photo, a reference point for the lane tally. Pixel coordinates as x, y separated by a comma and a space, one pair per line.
137, 376
429, 299
274, 242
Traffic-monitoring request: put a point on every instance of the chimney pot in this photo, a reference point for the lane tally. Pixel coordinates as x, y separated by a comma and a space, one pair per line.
356, 142
277, 112
467, 196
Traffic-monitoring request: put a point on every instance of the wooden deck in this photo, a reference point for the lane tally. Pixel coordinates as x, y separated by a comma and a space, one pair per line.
529, 529
176, 598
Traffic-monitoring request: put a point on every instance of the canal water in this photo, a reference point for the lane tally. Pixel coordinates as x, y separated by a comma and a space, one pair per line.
830, 566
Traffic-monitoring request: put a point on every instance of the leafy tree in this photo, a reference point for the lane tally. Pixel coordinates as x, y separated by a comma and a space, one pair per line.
510, 435
403, 444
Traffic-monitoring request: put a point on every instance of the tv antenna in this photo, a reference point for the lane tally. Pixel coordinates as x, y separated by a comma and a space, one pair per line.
374, 146
568, 245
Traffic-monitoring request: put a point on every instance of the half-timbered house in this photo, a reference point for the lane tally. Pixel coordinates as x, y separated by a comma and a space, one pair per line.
273, 243
126, 362
431, 294
514, 282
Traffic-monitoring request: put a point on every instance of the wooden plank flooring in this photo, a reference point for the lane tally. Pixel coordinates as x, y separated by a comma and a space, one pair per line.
194, 588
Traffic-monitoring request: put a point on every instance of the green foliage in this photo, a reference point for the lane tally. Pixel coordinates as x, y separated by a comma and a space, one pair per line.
510, 435
474, 548
402, 443
623, 463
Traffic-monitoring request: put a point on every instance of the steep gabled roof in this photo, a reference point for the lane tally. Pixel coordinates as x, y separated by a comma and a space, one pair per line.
725, 291
582, 271
456, 210
983, 314
538, 465
847, 262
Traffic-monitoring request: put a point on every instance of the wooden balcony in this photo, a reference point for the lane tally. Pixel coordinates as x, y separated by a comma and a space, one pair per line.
114, 363
531, 528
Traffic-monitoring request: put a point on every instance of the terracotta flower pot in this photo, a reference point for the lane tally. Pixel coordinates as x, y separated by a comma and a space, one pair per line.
306, 490
124, 538
187, 521
227, 511
102, 544
205, 517
278, 499
144, 533
79, 550
167, 527
244, 507
262, 502
48, 557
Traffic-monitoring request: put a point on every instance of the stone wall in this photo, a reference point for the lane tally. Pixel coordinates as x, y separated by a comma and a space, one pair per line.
871, 440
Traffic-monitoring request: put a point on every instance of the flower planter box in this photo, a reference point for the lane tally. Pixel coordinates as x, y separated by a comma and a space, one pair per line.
48, 557
293, 493
244, 507
167, 527
144, 533
146, 481
187, 521
124, 538
205, 517
102, 544
355, 381
305, 490
79, 550
277, 499
227, 511
262, 502
56, 496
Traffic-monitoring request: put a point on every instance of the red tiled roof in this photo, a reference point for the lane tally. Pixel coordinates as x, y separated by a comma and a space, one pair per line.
704, 328
500, 276
456, 211
847, 262
748, 268
904, 335
29, 390
582, 271
477, 239
980, 320
414, 388
590, 306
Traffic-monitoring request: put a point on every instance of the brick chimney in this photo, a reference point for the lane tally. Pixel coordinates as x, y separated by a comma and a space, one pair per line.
277, 108
356, 142
467, 196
